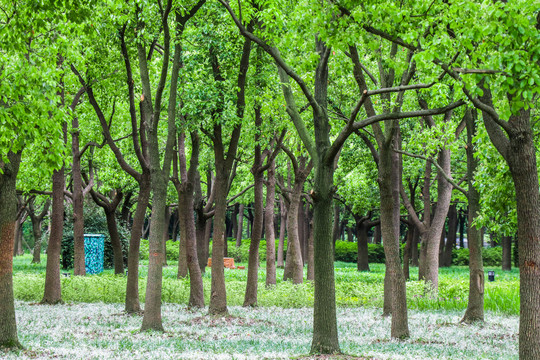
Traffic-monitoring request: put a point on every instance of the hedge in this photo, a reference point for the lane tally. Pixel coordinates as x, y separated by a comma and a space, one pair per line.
345, 251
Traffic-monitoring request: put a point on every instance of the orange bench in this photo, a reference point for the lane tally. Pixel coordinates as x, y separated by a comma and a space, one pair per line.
227, 262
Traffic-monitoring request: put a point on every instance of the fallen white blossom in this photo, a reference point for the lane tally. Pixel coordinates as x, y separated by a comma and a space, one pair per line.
103, 331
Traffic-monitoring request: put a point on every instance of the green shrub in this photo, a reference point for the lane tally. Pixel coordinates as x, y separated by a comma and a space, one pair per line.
490, 256
173, 249
348, 252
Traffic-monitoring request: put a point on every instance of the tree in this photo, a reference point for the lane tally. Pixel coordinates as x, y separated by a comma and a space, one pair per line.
37, 222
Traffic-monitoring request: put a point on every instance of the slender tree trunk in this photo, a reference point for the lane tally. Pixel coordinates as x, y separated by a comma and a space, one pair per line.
200, 234
475, 305
36, 230
414, 247
311, 256
218, 293
389, 185
362, 259
432, 236
461, 230
234, 218
282, 227
186, 215
53, 294
8, 211
294, 268
250, 298
152, 311
132, 284
451, 237
301, 230
37, 221
377, 236
407, 251
269, 225
115, 242
79, 267
506, 253
240, 223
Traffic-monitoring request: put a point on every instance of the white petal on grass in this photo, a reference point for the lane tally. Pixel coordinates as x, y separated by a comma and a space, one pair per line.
102, 331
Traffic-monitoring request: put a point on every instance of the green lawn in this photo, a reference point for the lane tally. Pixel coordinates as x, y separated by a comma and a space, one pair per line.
353, 288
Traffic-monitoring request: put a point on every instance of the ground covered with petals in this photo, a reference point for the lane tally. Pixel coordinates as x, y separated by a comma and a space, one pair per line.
103, 331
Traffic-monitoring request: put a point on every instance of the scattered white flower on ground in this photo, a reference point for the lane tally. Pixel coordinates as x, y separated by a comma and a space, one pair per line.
103, 331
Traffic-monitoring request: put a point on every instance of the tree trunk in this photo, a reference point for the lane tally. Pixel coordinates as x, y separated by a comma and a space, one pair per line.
132, 284
362, 259
234, 218
250, 298
152, 310
185, 191
325, 336
389, 184
282, 227
37, 220
475, 305
53, 293
451, 237
407, 250
461, 230
524, 170
414, 248
115, 242
432, 235
240, 222
311, 256
294, 267
377, 237
218, 293
335, 226
8, 211
506, 253
79, 267
36, 231
269, 225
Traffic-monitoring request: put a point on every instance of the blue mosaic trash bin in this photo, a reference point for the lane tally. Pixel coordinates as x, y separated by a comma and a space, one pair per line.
94, 246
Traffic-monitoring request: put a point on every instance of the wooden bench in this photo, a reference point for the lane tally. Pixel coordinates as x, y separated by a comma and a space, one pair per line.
227, 262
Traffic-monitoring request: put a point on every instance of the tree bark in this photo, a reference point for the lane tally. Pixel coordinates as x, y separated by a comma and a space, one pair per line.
240, 221
362, 259
335, 226
250, 298
8, 211
282, 227
115, 242
132, 285
269, 225
389, 184
475, 305
506, 253
311, 256
451, 236
53, 293
185, 190
37, 220
79, 266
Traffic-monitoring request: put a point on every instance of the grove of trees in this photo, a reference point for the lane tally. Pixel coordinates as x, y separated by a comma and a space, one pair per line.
403, 121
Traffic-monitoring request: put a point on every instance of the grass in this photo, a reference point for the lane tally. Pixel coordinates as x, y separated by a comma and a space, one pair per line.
91, 324
102, 331
353, 288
